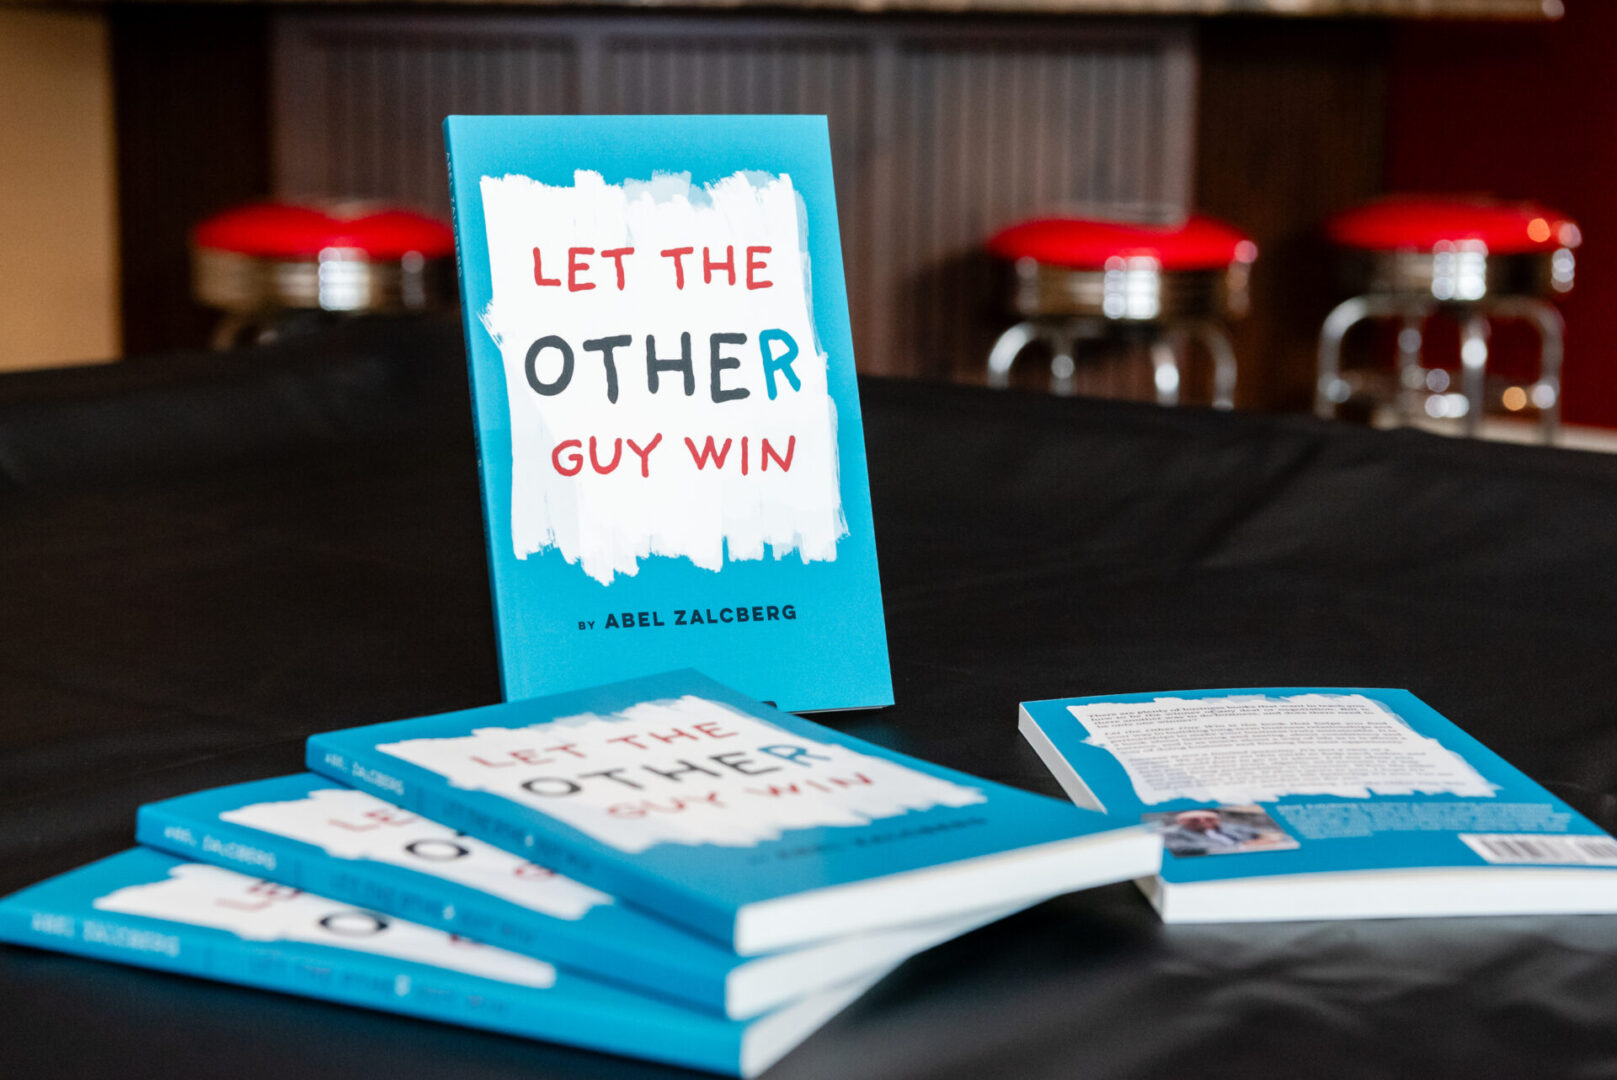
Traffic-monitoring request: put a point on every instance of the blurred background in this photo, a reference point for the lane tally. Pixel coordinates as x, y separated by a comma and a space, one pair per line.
125, 125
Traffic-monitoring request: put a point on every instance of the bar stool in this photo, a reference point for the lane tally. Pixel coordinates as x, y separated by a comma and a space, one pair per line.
1476, 259
1078, 279
262, 262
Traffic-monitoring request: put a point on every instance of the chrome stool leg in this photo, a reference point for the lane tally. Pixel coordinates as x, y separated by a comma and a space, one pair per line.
1411, 375
1474, 368
1217, 343
1006, 348
1064, 364
1165, 374
1546, 391
1330, 389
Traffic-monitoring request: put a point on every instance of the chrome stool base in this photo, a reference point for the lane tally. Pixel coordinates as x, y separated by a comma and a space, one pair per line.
1169, 344
1333, 389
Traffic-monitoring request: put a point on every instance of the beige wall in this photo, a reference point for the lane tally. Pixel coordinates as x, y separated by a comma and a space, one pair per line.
58, 217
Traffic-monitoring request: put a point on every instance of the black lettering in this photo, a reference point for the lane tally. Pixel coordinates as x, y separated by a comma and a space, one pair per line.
355, 923
530, 366
612, 775
741, 766
675, 774
604, 346
655, 365
532, 787
437, 850
721, 364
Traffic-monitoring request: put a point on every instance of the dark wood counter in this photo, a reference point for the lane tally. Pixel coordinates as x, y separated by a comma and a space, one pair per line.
1441, 9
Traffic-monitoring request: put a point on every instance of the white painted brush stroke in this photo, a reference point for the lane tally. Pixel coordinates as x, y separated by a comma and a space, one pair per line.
728, 809
1253, 748
351, 824
212, 896
607, 524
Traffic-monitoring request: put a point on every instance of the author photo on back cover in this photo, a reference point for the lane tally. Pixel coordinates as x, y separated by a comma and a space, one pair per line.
1226, 830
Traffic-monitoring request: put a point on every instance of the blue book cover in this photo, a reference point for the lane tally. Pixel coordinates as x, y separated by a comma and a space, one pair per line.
1314, 802
759, 829
673, 460
325, 838
146, 908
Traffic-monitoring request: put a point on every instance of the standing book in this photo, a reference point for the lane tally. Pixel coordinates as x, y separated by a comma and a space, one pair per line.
149, 909
1322, 803
310, 833
758, 829
671, 449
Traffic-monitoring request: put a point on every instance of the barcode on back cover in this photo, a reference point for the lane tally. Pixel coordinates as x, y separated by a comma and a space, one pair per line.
1535, 848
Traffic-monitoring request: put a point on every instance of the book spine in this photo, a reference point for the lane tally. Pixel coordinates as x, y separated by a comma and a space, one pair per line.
468, 319
438, 801
340, 975
218, 843
447, 906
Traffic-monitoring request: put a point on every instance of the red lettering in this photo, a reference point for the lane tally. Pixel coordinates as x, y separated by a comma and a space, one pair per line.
539, 273
530, 870
859, 779
576, 459
645, 455
492, 764
565, 748
774, 791
707, 453
769, 452
679, 267
630, 739
677, 733
672, 806
743, 455
270, 892
757, 264
616, 255
617, 456
728, 265
706, 728
530, 757
574, 265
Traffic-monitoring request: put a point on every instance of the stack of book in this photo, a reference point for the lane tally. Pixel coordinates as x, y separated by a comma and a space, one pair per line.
660, 868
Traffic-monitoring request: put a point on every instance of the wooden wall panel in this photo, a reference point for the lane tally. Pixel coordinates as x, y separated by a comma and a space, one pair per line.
1291, 128
942, 130
191, 86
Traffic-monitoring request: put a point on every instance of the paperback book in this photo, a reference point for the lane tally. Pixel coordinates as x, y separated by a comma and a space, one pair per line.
149, 909
760, 830
309, 833
1321, 803
673, 460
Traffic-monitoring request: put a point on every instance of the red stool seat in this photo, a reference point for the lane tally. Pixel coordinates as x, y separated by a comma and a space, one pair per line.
1198, 243
1423, 222
274, 230
269, 257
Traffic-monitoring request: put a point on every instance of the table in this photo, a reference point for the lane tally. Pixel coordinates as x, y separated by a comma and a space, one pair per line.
205, 558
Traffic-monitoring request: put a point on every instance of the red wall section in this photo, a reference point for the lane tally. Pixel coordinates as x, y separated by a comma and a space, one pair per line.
1524, 111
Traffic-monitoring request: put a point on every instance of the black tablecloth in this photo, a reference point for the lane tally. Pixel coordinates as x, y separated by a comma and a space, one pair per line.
205, 558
